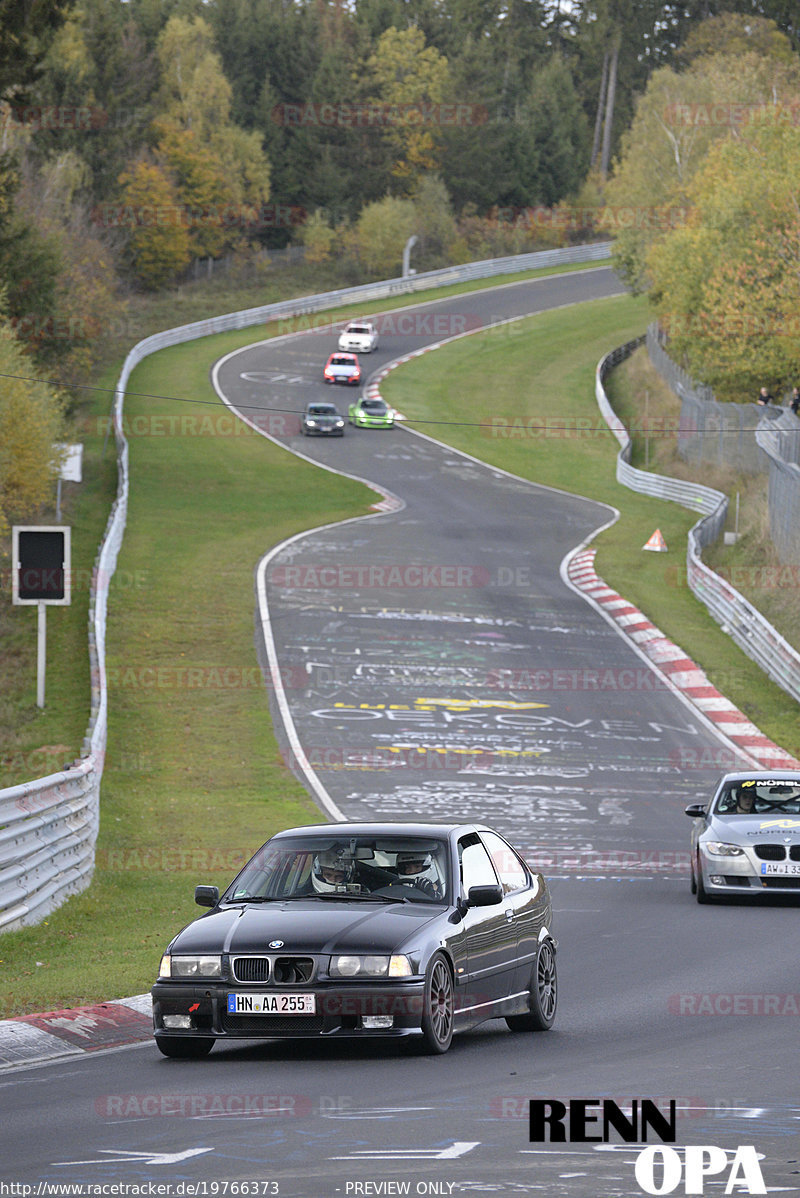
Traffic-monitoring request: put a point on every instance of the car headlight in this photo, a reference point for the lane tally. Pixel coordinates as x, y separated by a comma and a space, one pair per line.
311, 424
718, 848
190, 967
340, 424
370, 965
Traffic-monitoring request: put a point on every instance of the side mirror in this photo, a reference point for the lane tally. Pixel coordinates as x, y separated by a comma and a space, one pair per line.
484, 896
206, 896
696, 810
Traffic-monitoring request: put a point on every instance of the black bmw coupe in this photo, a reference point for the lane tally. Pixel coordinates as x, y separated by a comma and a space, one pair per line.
363, 930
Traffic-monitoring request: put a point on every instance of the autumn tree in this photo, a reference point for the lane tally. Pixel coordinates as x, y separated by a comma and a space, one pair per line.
726, 282
410, 82
679, 118
220, 172
30, 423
158, 239
382, 231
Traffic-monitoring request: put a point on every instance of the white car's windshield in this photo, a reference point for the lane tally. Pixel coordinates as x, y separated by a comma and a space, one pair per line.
751, 797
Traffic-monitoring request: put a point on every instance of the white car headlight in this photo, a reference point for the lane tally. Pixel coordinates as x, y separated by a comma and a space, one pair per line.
718, 848
190, 967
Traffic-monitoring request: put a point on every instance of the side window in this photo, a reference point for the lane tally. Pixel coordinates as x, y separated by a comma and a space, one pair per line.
476, 866
510, 869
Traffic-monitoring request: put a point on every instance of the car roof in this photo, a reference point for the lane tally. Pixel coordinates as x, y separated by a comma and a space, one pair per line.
381, 829
760, 776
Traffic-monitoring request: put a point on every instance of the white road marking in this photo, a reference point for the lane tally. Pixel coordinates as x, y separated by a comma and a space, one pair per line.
457, 1148
121, 1155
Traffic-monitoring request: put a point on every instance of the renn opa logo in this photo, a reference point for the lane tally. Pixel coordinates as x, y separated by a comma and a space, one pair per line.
658, 1170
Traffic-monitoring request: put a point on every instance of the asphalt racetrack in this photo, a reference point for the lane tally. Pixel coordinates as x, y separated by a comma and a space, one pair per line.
434, 664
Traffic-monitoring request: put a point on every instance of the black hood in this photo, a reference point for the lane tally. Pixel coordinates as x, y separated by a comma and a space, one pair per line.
307, 926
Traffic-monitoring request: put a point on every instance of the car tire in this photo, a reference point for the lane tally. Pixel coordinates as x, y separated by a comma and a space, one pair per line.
185, 1047
543, 997
692, 878
701, 894
438, 1009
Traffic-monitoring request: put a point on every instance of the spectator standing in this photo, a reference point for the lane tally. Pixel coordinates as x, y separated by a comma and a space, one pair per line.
764, 398
794, 400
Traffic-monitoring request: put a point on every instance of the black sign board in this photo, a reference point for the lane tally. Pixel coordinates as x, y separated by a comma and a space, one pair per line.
41, 564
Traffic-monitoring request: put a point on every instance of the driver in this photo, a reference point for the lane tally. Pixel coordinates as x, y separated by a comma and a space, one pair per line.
416, 868
332, 870
745, 801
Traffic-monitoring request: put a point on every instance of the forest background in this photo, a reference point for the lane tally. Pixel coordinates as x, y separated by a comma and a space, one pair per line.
141, 139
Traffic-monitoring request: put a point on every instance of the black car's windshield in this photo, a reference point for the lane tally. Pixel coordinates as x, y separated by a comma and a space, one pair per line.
753, 797
375, 868
322, 409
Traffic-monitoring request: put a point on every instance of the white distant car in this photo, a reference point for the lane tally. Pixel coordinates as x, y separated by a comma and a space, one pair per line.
360, 337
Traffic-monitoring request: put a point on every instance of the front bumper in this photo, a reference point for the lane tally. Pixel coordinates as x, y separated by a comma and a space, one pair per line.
340, 1011
746, 874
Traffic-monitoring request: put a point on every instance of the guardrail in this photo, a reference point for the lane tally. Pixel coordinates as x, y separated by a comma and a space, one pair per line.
48, 827
743, 622
779, 441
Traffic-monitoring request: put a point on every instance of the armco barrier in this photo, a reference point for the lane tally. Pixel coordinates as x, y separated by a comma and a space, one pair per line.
744, 623
48, 827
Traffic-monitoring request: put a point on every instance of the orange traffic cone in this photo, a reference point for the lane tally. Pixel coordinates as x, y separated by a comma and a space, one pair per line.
656, 543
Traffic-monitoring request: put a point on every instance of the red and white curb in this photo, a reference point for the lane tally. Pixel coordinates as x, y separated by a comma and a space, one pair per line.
74, 1031
684, 674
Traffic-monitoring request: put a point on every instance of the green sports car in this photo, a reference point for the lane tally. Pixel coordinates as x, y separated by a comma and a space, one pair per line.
371, 413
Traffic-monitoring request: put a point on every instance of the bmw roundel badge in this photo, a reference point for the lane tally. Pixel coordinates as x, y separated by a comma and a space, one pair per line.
276, 944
